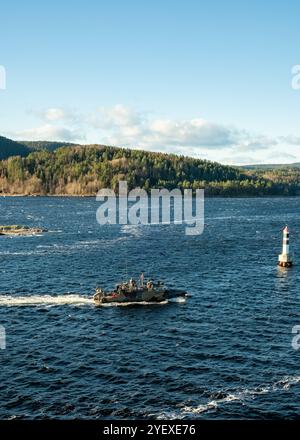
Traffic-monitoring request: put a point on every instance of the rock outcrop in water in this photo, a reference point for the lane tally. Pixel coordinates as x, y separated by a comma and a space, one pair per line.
20, 230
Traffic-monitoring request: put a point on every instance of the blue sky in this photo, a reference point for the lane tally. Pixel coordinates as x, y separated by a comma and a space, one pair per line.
208, 79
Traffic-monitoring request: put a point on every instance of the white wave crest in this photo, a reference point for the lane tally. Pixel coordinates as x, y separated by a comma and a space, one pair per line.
213, 404
282, 384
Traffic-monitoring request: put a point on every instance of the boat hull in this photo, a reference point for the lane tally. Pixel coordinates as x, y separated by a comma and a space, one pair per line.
139, 296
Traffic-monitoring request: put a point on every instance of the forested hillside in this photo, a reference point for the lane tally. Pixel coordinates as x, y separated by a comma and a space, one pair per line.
46, 145
83, 170
11, 148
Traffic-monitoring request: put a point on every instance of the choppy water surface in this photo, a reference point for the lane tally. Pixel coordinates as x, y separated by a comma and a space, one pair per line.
224, 353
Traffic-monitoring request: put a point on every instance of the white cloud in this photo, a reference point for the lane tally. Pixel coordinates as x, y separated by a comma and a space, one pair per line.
54, 114
57, 114
194, 132
253, 143
125, 126
118, 116
292, 140
50, 133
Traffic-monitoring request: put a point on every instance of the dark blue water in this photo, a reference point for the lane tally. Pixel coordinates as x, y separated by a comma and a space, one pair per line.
224, 353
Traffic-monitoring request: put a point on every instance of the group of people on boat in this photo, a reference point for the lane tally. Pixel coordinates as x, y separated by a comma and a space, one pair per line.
132, 285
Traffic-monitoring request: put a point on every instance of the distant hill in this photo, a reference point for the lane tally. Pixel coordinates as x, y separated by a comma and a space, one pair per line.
56, 168
46, 145
83, 170
10, 148
271, 166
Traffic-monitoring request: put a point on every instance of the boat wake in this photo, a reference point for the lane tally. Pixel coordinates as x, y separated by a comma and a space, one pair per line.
178, 299
43, 300
61, 300
243, 395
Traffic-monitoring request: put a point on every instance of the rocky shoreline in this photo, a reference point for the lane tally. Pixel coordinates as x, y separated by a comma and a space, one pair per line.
20, 230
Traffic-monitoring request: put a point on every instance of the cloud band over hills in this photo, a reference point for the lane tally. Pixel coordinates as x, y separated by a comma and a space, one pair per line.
124, 126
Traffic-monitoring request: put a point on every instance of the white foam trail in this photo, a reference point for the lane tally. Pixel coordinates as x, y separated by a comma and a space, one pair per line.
179, 299
213, 404
59, 300
46, 300
135, 230
283, 384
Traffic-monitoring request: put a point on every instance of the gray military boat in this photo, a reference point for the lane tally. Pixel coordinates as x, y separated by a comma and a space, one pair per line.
131, 292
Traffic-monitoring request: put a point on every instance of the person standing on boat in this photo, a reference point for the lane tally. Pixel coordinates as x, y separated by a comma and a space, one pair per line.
142, 279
